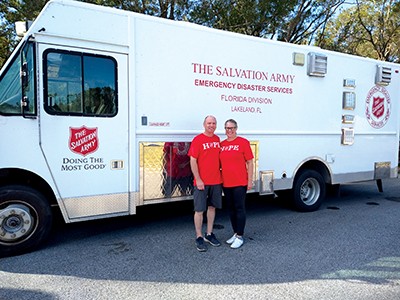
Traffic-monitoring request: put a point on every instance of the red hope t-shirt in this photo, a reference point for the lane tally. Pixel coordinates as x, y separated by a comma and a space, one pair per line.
206, 150
234, 155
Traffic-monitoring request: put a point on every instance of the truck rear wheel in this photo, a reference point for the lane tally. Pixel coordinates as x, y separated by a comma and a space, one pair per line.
25, 219
308, 191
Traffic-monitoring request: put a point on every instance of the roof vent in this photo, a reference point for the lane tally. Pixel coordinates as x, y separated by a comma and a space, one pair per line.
317, 64
383, 75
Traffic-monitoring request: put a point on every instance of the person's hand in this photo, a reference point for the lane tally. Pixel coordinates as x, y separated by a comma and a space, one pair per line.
250, 184
200, 184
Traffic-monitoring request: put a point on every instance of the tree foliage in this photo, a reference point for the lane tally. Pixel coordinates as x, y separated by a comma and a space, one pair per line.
293, 21
306, 19
368, 28
257, 18
169, 9
12, 11
23, 10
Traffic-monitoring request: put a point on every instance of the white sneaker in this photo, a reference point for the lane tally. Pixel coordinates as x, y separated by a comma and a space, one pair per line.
232, 239
237, 243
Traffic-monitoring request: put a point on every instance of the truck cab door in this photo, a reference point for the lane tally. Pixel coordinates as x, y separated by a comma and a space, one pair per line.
84, 129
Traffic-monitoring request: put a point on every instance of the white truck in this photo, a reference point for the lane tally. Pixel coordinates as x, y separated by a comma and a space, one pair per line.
93, 100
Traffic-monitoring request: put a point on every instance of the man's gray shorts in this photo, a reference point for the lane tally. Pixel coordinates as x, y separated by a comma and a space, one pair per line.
210, 196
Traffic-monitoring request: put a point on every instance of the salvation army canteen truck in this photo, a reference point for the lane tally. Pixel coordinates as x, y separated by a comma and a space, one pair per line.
98, 107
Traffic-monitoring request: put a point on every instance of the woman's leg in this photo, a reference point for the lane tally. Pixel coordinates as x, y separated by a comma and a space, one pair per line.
229, 197
239, 200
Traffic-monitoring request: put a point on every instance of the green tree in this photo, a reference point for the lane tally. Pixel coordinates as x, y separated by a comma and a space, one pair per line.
169, 9
257, 18
369, 29
294, 21
12, 11
6, 45
306, 19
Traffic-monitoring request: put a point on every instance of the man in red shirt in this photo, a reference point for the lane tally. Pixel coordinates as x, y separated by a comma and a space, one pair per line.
205, 165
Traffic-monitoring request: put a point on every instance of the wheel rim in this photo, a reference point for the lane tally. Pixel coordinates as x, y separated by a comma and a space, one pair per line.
16, 222
310, 191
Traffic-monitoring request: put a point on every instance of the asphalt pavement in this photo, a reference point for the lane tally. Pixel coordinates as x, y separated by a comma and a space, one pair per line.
348, 249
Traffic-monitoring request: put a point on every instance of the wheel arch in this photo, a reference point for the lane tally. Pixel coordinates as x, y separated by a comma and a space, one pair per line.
16, 176
317, 165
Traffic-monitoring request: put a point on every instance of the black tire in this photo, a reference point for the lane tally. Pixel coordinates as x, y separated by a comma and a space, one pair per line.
25, 219
308, 191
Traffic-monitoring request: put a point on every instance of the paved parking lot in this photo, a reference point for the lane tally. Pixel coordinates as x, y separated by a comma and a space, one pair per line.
349, 249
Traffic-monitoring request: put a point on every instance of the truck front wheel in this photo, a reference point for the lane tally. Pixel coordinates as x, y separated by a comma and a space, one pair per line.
25, 219
308, 191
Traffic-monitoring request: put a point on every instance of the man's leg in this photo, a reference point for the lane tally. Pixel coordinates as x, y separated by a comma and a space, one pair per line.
198, 223
210, 236
210, 219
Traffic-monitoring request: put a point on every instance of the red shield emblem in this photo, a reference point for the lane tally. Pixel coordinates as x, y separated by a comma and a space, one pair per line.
378, 107
83, 140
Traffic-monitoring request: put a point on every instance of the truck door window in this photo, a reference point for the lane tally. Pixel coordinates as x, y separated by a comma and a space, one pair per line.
11, 84
80, 84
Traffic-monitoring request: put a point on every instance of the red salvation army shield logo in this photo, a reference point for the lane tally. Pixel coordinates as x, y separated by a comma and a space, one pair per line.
377, 109
83, 140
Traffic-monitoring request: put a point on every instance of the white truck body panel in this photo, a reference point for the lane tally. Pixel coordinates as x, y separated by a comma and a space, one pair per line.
170, 76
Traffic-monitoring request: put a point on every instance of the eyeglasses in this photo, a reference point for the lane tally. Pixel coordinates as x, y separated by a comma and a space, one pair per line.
230, 128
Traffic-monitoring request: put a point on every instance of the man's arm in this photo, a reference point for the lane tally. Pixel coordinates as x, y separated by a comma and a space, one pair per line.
250, 170
195, 171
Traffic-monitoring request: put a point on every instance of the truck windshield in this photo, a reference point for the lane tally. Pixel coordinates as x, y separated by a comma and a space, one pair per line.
10, 84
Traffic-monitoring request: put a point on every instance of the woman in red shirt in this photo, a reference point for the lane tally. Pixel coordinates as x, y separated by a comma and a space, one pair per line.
237, 177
